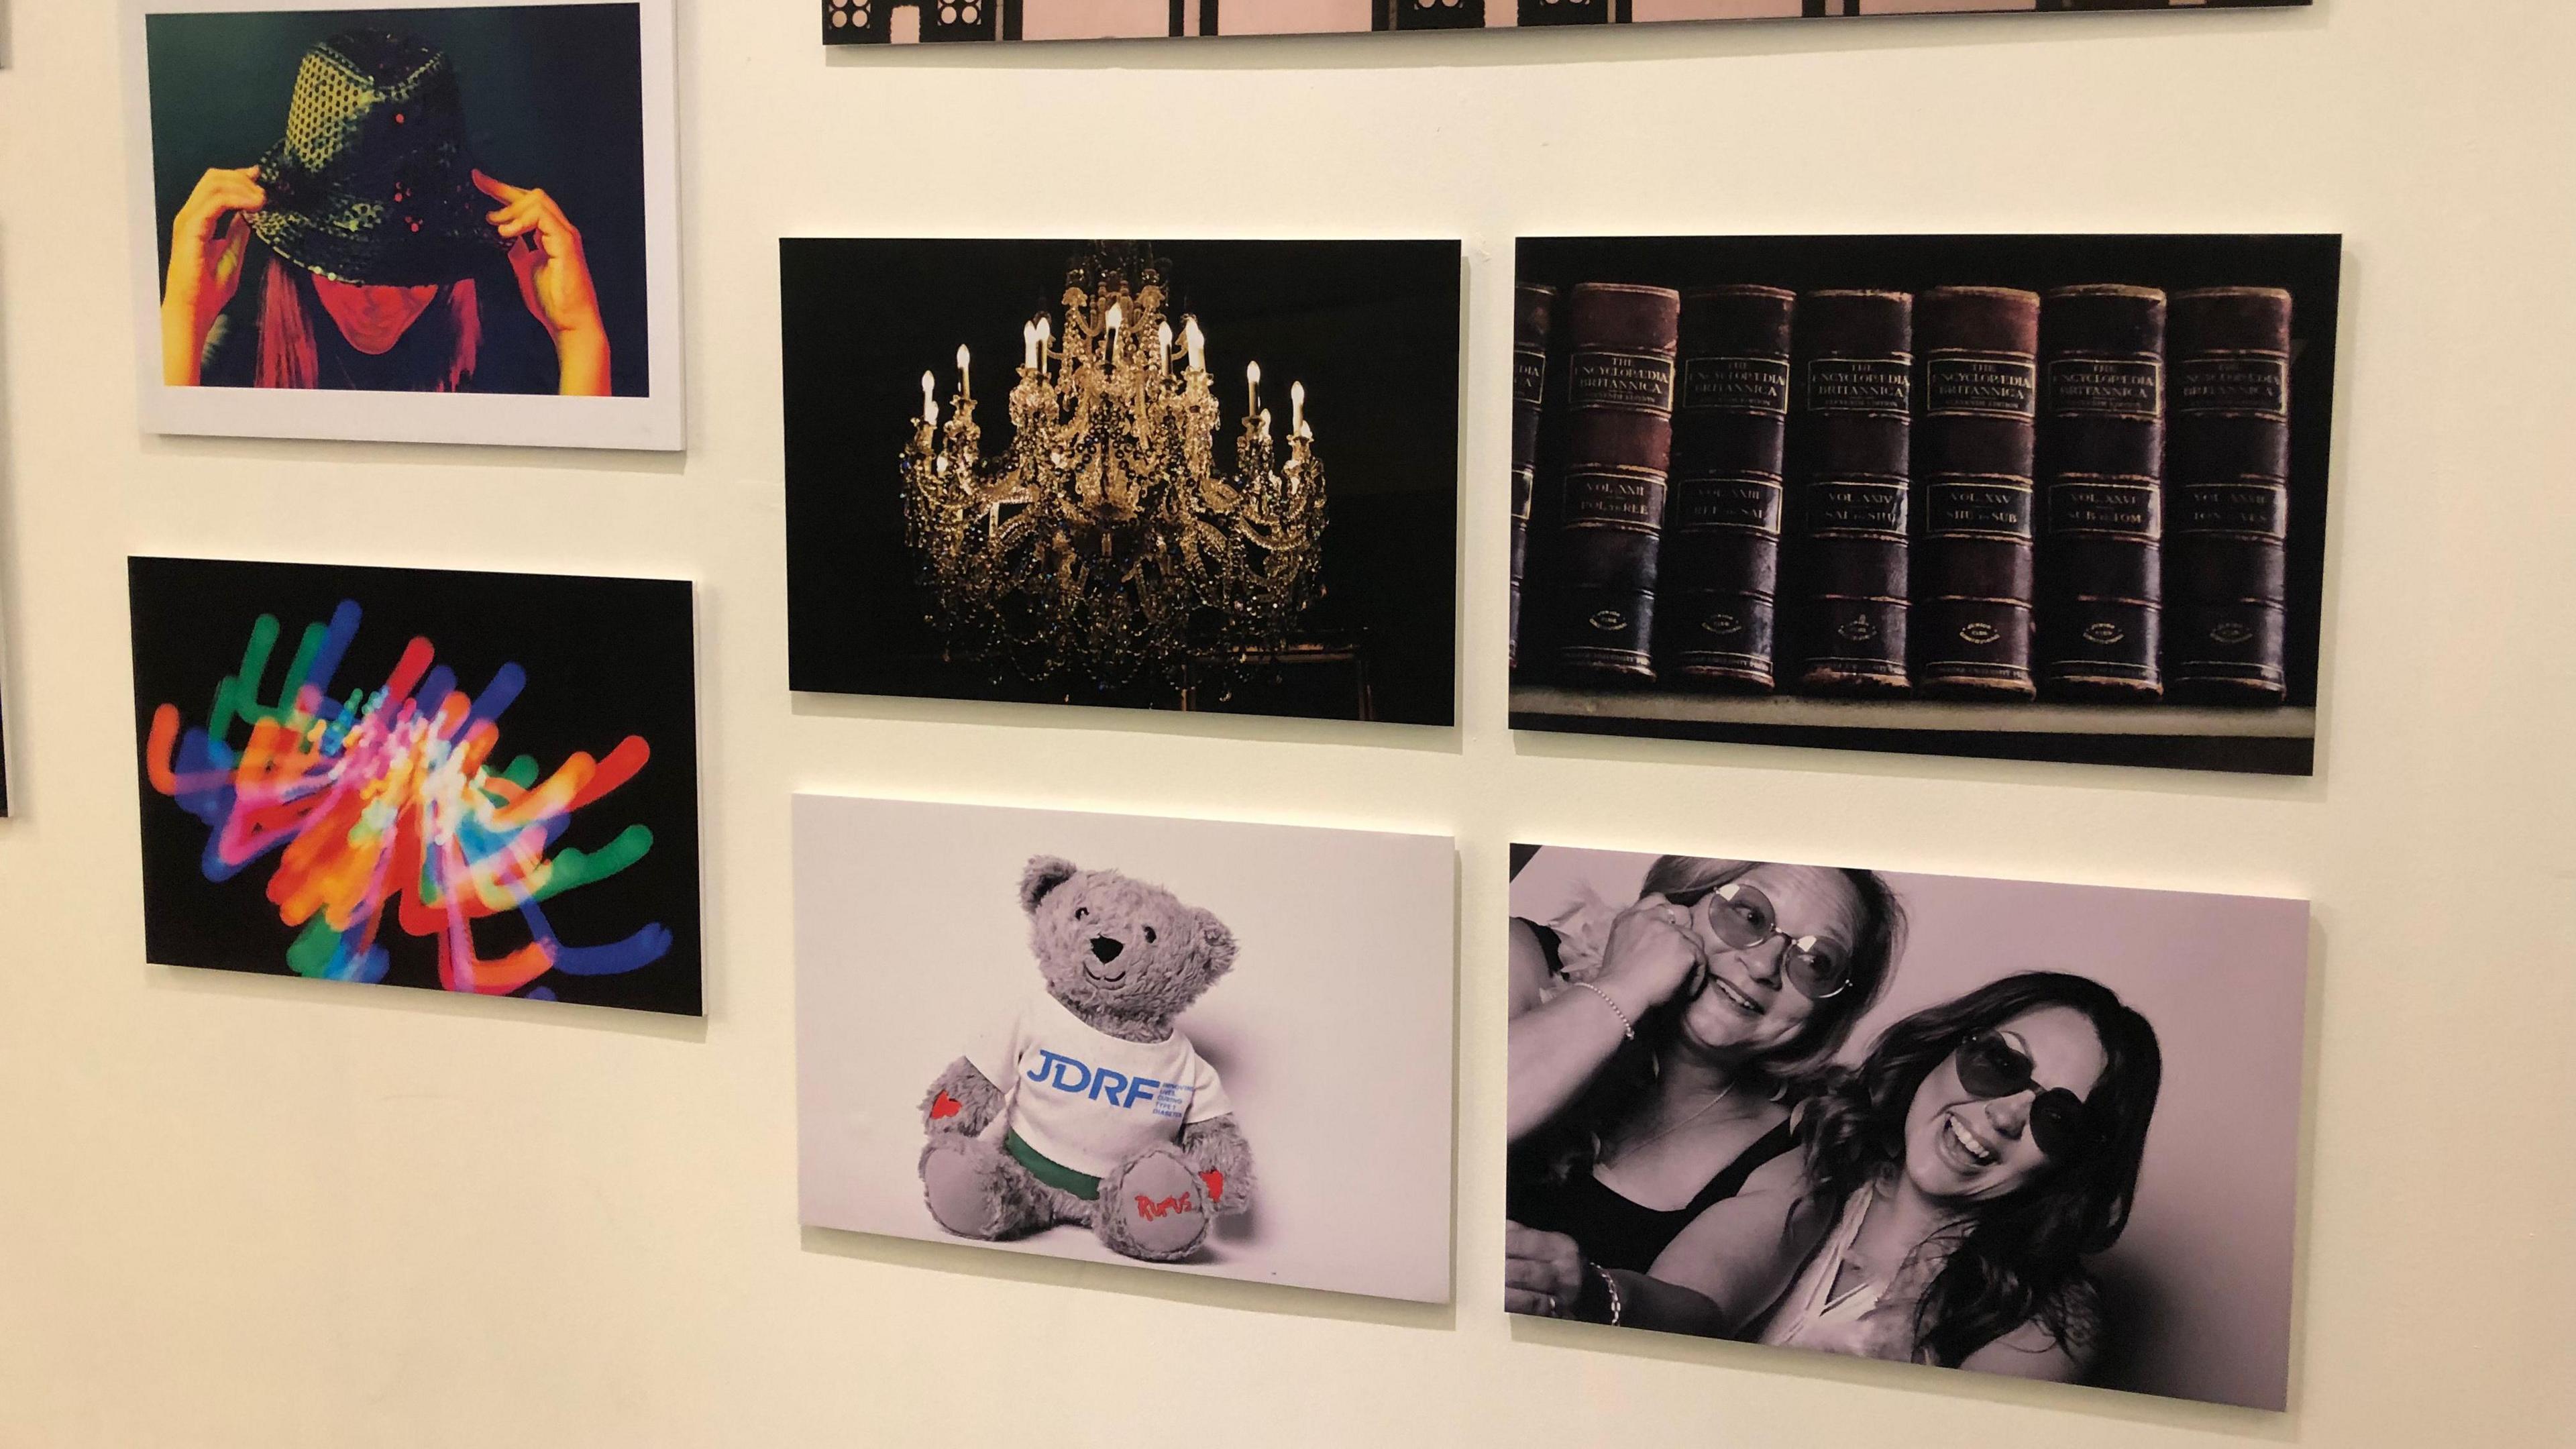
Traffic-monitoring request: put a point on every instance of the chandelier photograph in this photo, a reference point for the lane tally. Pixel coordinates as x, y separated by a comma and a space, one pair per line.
1211, 476
1106, 542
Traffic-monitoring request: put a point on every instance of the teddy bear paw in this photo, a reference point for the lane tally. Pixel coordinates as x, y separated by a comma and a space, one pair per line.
968, 1185
1155, 1208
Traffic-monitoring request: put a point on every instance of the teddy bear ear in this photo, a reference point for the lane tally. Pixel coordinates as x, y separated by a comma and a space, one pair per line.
1218, 942
1044, 873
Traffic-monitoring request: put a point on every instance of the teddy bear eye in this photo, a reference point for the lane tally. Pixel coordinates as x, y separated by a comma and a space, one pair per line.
1149, 935
1081, 912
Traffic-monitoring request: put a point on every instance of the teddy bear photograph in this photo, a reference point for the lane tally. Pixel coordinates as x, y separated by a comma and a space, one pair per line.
1129, 1040
1120, 960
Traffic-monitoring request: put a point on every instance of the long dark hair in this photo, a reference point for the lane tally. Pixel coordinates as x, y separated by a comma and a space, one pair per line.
1581, 1136
290, 354
2019, 1259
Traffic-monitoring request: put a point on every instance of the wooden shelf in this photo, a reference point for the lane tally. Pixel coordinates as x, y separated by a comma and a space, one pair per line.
1675, 706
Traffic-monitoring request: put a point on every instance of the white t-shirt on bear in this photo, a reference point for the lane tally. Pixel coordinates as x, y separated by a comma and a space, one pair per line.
1088, 1099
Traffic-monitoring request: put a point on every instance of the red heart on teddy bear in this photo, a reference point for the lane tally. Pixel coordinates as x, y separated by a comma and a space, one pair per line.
1215, 1181
945, 1105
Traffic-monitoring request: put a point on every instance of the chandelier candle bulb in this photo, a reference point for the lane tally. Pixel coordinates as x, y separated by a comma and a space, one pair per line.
965, 379
1101, 546
1296, 409
929, 389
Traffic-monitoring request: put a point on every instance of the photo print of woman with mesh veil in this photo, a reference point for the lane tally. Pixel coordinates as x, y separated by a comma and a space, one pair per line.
451, 221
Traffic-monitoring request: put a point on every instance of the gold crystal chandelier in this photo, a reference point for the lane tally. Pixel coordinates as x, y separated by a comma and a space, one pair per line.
1104, 548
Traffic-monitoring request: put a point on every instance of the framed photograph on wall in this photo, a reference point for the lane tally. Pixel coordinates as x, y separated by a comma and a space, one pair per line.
1212, 1048
4, 709
2048, 1131
448, 221
905, 22
472, 782
1214, 475
2022, 497
5, 592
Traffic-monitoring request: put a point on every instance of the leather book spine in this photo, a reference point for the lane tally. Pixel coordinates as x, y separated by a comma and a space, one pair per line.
1564, 12
1428, 15
1855, 443
1975, 452
2228, 480
1610, 495
2100, 610
1532, 308
1721, 563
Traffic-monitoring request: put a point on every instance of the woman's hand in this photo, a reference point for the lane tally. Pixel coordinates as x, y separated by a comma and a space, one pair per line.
554, 282
204, 272
1543, 1273
1651, 956
1559, 1045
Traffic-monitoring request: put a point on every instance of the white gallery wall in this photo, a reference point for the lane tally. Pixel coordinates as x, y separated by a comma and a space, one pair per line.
252, 1211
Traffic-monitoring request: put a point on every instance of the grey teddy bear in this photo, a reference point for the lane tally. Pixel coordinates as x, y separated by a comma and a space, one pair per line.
1092, 1108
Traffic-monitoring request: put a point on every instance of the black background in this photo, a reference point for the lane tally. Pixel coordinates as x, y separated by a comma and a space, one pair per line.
554, 98
605, 658
1371, 328
2309, 267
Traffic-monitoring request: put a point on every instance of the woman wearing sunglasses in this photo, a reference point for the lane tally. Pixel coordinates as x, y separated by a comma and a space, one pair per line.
1653, 1060
1983, 1149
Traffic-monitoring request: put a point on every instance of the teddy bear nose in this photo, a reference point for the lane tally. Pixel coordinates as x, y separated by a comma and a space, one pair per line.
1106, 949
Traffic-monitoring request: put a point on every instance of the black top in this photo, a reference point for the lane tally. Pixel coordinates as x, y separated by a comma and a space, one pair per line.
1611, 1230
1615, 1232
514, 354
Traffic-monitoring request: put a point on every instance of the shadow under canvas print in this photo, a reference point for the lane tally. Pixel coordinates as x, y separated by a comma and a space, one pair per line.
1211, 476
472, 782
2045, 1131
1211, 1048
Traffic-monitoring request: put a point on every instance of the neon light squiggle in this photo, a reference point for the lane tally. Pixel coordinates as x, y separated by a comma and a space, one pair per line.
388, 798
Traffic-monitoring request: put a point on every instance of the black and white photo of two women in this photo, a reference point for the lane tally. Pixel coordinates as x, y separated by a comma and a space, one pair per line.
2048, 1131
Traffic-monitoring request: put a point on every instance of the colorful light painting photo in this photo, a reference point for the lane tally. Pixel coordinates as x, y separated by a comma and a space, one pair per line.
474, 782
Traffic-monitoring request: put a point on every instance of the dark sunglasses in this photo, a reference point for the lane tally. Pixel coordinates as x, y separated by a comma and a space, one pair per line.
2060, 1122
1740, 915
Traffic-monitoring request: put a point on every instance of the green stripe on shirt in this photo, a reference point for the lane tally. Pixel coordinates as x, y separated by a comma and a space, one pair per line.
1051, 1172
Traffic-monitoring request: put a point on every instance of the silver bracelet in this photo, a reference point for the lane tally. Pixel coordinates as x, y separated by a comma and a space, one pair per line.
1625, 1025
1610, 1286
